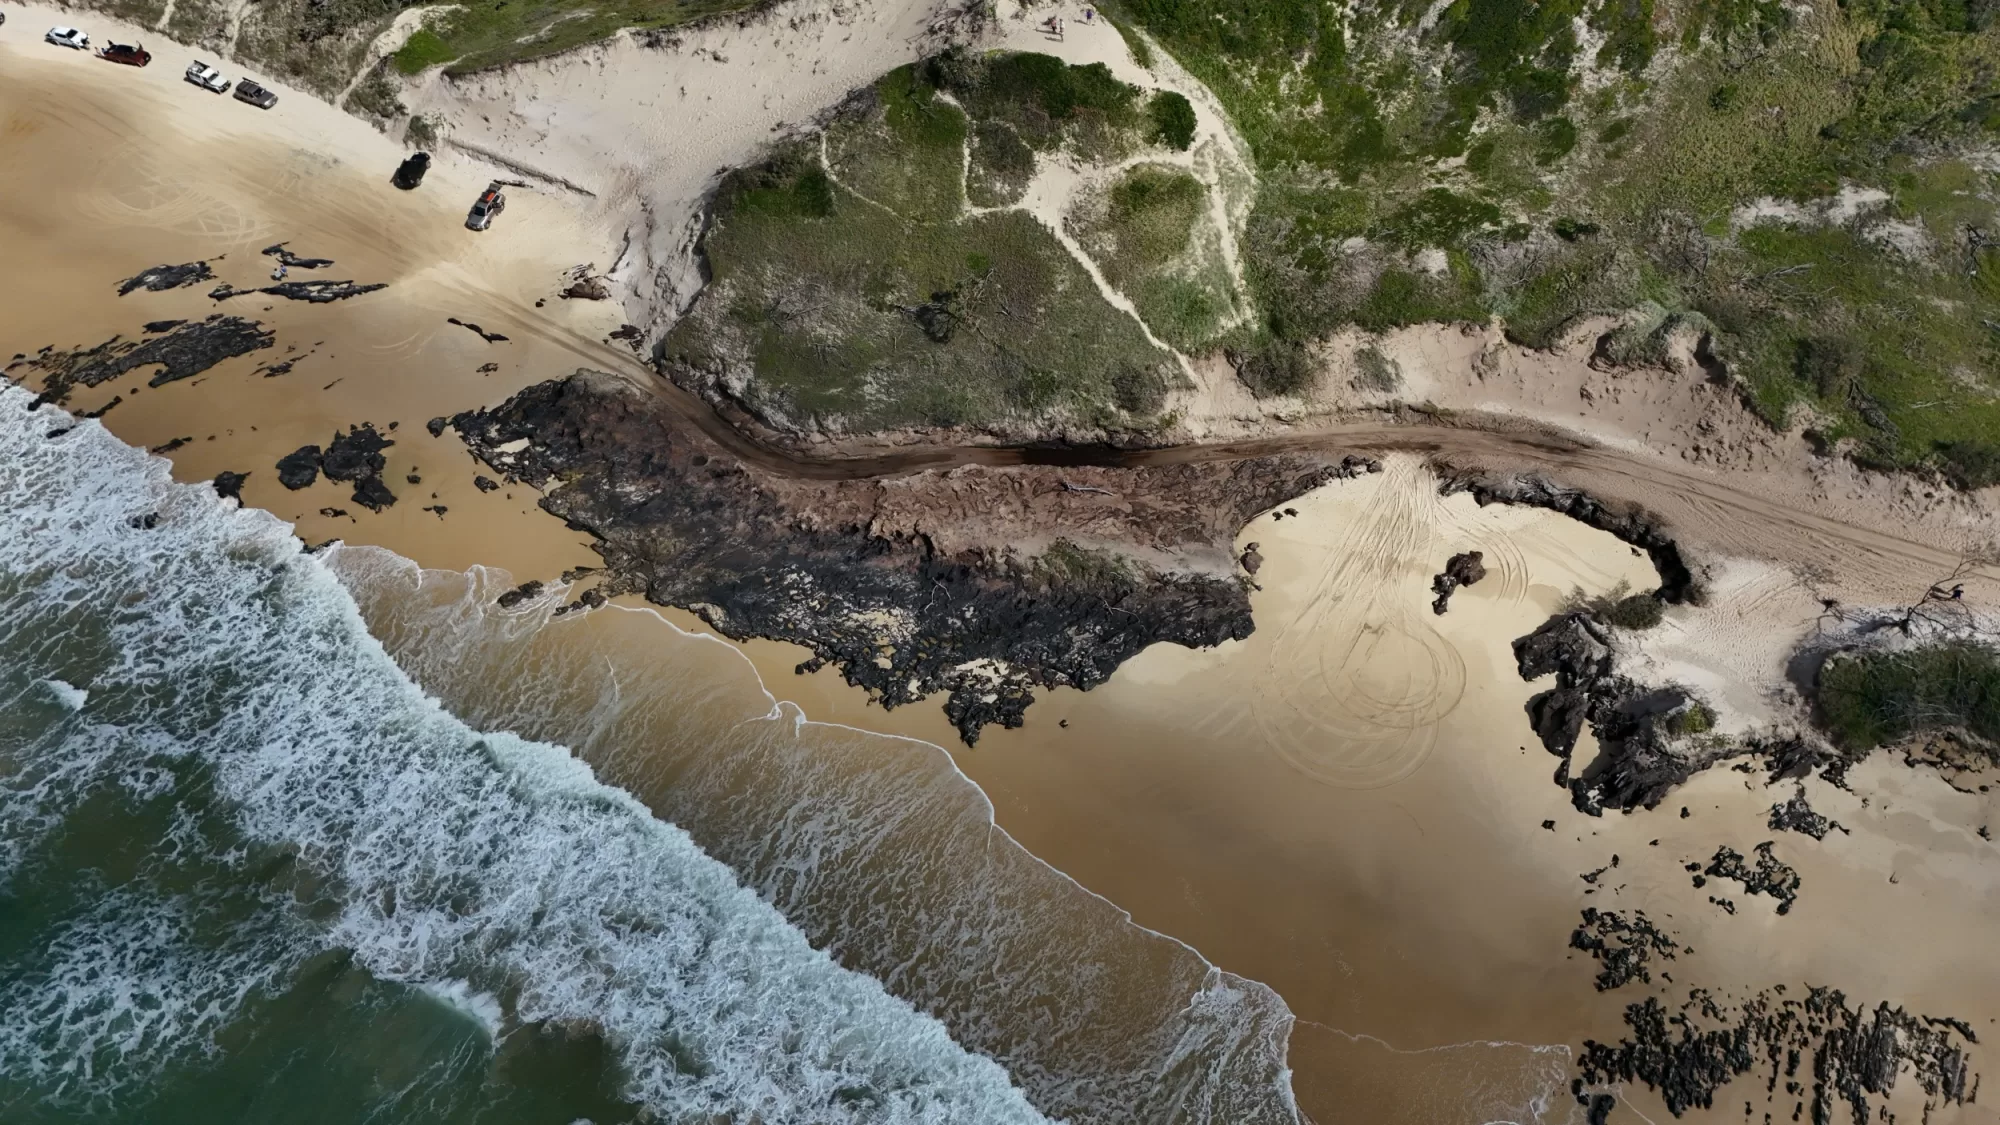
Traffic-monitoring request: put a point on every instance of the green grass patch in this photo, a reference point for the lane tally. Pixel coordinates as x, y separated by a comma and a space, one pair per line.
1151, 236
423, 49
829, 311
1173, 119
1873, 699
904, 151
489, 34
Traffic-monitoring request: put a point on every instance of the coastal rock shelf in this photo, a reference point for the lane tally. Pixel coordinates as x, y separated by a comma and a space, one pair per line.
1814, 1054
981, 583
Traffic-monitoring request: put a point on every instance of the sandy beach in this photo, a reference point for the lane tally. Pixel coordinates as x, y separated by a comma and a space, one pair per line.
1347, 808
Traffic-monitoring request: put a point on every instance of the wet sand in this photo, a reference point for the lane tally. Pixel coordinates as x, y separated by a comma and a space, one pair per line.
1345, 807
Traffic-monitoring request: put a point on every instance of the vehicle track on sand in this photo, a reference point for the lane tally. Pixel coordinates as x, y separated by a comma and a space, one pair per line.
1709, 511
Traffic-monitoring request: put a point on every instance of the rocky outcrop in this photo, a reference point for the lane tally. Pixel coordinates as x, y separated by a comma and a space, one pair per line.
1631, 524
181, 352
1643, 758
1796, 815
1768, 876
159, 279
355, 457
314, 292
229, 485
1462, 569
293, 261
1814, 1053
982, 583
299, 468
1624, 947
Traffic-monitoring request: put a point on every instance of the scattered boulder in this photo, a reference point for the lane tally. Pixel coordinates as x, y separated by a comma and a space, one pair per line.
229, 485
1796, 815
372, 494
588, 288
1462, 569
1252, 561
1770, 876
520, 594
484, 483
299, 468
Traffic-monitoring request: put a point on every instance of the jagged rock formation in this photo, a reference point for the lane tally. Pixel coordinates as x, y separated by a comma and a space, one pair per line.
982, 583
1623, 947
1462, 569
1796, 815
181, 352
159, 279
1633, 525
1823, 1052
1770, 876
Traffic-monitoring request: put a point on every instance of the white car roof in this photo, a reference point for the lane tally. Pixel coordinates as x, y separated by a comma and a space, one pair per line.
63, 31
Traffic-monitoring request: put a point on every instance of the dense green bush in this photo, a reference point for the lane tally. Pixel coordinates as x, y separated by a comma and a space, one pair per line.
1173, 119
1869, 699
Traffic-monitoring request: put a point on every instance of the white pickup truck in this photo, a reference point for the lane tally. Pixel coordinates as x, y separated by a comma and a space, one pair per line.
207, 77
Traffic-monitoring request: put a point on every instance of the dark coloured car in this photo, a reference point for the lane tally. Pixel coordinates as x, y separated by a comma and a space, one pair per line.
248, 91
125, 53
410, 172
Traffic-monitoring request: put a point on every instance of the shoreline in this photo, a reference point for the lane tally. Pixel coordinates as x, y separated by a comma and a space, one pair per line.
1143, 820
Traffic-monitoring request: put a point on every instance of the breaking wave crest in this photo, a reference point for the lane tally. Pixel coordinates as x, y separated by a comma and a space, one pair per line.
296, 797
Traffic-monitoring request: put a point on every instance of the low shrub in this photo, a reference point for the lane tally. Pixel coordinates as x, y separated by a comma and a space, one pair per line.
1868, 699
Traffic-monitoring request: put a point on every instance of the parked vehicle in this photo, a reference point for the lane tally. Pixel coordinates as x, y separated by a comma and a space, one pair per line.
410, 172
125, 53
248, 91
68, 37
207, 77
489, 204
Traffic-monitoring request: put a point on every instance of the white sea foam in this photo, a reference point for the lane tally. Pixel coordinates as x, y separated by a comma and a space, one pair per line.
447, 858
70, 696
877, 846
482, 1008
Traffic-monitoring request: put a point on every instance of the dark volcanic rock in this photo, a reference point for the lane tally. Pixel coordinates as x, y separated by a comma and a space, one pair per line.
1643, 754
299, 468
372, 494
520, 594
169, 447
229, 485
1849, 1055
489, 337
485, 483
910, 584
1770, 876
315, 292
161, 278
436, 425
1462, 569
1633, 525
279, 252
355, 454
1624, 947
185, 351
158, 326
1796, 815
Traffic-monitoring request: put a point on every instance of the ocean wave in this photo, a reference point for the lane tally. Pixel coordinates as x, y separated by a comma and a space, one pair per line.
875, 845
219, 659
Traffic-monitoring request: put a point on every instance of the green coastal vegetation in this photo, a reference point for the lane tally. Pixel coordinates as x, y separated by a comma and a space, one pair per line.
1812, 186
1872, 699
880, 275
